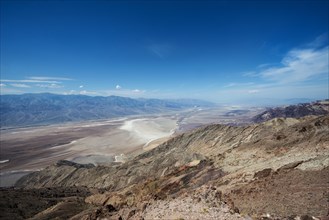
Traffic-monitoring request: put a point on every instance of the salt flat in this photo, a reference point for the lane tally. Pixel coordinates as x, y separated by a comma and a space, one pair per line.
147, 130
34, 148
98, 142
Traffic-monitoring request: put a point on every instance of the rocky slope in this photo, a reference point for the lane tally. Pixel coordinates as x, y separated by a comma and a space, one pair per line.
22, 204
279, 168
294, 111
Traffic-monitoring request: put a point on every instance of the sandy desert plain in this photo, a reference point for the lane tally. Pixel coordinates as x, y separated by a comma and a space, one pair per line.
28, 149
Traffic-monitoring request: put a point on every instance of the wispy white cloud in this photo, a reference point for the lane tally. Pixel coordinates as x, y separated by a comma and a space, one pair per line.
118, 91
81, 86
273, 92
46, 78
250, 74
302, 73
92, 93
320, 41
236, 84
10, 90
20, 85
261, 66
27, 81
82, 92
2, 85
137, 91
71, 92
50, 86
299, 65
36, 82
124, 92
37, 79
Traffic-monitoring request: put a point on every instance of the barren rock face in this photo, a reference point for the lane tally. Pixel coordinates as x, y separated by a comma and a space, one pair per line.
278, 167
48, 202
294, 111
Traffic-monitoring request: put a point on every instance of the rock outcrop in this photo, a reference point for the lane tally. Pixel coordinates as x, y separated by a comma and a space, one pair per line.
45, 203
294, 111
278, 168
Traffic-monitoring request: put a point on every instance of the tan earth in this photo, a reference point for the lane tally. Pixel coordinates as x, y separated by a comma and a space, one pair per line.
24, 150
274, 170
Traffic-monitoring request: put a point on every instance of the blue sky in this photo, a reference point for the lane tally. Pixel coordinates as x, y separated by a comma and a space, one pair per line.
222, 51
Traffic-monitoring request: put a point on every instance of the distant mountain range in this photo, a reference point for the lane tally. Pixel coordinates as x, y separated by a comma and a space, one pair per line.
294, 111
47, 108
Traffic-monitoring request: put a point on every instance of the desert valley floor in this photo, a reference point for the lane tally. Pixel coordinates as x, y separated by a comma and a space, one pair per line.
32, 148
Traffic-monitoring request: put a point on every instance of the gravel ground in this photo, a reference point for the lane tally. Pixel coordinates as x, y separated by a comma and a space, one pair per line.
204, 204
188, 209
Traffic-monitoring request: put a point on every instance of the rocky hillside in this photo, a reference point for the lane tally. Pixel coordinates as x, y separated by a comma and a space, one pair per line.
294, 111
278, 169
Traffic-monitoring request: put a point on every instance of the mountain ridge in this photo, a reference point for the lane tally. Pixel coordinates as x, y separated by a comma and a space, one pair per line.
319, 107
241, 163
48, 108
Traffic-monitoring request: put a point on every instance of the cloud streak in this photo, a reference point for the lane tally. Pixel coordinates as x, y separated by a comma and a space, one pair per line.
34, 82
124, 92
253, 91
45, 78
37, 79
28, 81
320, 41
299, 65
302, 73
20, 85
238, 84
50, 86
